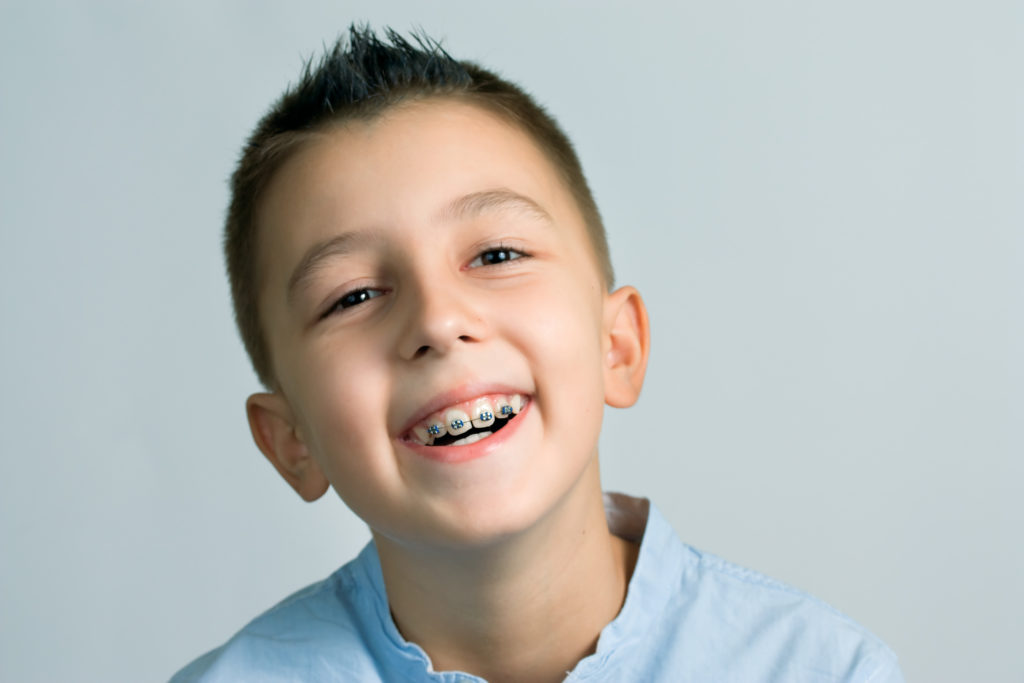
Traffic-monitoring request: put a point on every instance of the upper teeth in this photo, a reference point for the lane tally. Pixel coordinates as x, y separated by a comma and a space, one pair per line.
483, 415
455, 420
503, 407
423, 434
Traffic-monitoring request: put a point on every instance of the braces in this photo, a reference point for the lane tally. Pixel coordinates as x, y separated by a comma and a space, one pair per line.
435, 429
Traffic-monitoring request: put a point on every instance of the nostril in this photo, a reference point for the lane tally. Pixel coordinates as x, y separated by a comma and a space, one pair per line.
442, 347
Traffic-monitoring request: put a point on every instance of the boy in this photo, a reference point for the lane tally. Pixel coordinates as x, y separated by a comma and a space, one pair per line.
421, 278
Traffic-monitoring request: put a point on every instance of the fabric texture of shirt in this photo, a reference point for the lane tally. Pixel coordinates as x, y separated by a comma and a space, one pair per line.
688, 616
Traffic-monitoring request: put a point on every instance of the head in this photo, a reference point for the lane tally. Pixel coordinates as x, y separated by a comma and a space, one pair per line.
430, 289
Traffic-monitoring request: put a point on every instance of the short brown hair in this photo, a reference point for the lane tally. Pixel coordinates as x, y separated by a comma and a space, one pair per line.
359, 79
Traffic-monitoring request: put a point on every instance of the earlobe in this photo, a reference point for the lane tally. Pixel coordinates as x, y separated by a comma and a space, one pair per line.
274, 431
627, 345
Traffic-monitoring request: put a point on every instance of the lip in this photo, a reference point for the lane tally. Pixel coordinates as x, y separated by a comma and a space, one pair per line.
451, 455
464, 392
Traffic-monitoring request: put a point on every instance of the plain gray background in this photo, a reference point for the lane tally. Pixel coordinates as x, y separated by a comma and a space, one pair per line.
821, 202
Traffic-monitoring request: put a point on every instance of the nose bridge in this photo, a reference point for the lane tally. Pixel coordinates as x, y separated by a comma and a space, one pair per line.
438, 314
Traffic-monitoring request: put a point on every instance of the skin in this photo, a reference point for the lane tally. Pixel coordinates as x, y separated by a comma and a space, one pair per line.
501, 565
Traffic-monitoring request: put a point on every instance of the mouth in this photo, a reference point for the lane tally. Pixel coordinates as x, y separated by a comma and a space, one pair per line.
468, 422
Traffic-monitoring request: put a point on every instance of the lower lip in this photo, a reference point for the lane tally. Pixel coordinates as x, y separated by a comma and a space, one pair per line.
451, 455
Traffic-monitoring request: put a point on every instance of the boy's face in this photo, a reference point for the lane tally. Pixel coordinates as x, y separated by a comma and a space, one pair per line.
426, 260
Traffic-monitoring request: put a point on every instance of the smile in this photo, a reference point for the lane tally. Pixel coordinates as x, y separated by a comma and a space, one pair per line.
468, 422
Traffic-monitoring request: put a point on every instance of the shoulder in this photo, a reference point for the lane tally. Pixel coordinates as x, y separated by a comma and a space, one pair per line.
693, 616
321, 632
771, 626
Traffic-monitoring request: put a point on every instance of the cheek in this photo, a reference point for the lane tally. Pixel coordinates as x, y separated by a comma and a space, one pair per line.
564, 331
343, 392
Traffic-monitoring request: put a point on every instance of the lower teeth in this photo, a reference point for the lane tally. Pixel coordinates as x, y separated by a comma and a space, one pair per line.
472, 438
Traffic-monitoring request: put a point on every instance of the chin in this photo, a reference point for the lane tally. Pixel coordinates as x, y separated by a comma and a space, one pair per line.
479, 520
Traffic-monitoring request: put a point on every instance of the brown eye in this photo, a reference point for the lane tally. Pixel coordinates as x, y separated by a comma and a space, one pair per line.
354, 298
495, 257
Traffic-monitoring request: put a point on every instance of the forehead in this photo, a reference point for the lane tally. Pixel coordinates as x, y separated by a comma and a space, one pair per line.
396, 173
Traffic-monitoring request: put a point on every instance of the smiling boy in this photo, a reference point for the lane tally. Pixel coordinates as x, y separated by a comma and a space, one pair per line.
422, 281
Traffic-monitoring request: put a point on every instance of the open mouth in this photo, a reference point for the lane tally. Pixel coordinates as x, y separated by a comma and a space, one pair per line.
472, 436
469, 422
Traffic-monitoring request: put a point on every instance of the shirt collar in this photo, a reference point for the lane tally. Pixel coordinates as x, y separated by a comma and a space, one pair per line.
658, 566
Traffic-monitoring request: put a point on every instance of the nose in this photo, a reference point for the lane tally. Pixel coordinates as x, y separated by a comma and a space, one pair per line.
439, 317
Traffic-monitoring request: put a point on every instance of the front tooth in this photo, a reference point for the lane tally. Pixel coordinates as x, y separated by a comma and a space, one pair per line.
502, 408
516, 401
484, 415
457, 422
423, 435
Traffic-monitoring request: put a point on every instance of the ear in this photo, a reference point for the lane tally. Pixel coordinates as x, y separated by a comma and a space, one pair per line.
627, 344
275, 433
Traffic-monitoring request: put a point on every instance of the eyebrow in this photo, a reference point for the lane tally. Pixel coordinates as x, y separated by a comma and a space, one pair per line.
317, 256
462, 208
499, 199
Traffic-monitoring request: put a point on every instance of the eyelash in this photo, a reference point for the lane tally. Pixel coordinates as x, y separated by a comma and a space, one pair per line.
356, 297
499, 249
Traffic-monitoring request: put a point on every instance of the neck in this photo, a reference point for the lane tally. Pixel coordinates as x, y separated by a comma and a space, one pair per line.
528, 608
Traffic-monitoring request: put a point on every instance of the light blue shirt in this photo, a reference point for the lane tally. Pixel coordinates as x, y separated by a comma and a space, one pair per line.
688, 616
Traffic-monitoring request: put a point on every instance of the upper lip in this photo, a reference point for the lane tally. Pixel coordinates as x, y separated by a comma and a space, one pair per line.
463, 392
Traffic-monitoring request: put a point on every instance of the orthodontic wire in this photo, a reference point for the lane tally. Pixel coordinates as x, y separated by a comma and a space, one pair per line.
506, 412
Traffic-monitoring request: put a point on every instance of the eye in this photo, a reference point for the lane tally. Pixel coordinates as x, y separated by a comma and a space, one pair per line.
354, 298
497, 256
